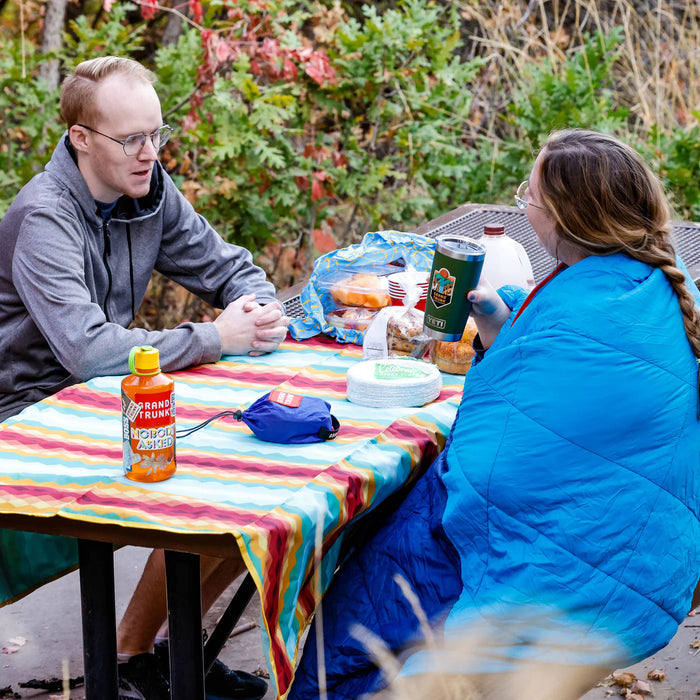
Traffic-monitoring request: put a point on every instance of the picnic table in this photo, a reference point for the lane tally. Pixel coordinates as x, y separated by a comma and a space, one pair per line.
286, 509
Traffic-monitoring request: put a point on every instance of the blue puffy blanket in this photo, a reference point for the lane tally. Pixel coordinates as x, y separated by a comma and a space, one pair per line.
573, 469
571, 482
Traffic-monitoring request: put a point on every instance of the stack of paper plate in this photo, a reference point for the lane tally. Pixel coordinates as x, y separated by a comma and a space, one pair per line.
393, 382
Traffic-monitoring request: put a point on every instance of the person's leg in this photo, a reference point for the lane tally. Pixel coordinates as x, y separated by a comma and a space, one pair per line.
217, 576
146, 613
147, 609
364, 594
139, 672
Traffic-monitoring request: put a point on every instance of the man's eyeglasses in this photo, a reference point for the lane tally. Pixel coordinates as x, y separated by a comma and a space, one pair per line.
134, 143
521, 199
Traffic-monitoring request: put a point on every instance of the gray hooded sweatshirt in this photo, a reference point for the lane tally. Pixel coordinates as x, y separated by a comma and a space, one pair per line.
71, 285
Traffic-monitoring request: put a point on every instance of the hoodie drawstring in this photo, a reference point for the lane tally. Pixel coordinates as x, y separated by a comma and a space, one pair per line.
106, 252
131, 272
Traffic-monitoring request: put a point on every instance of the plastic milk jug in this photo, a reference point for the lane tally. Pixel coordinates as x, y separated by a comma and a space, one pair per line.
506, 261
148, 418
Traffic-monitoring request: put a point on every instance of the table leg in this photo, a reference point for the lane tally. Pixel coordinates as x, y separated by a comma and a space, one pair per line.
185, 626
228, 621
99, 625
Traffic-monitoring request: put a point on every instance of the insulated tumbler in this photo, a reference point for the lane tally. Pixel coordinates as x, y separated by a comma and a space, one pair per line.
456, 269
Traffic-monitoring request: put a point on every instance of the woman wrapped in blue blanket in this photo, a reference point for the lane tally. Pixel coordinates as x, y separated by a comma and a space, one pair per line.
558, 530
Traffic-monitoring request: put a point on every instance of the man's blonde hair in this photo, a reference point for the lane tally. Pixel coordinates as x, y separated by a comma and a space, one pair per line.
78, 104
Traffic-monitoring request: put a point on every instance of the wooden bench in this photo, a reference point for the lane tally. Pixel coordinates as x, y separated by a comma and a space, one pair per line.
469, 220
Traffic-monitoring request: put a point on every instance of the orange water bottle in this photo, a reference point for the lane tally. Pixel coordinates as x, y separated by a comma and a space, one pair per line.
148, 418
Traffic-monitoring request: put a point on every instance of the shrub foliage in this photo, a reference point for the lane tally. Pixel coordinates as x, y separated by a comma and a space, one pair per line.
301, 125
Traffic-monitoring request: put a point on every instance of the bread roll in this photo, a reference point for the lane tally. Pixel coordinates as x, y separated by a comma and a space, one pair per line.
455, 358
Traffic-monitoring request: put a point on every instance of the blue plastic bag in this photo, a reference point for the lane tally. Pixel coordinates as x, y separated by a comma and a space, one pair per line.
375, 251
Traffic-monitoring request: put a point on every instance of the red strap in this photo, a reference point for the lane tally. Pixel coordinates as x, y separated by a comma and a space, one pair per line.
531, 295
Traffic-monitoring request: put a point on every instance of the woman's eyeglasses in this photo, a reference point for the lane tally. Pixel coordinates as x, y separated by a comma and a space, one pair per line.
521, 199
134, 143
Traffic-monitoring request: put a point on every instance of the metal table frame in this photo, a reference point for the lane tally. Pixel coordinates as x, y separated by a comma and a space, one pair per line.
469, 220
99, 624
188, 659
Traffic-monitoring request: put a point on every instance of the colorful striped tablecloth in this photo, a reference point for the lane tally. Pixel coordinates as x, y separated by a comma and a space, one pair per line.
62, 457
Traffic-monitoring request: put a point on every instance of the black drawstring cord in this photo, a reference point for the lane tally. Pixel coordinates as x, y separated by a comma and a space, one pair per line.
131, 272
237, 414
105, 258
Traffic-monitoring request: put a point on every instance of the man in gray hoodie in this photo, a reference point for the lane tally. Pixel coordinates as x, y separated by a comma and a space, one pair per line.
80, 243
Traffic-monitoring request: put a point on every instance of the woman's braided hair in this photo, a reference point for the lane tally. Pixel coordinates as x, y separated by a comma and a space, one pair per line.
605, 199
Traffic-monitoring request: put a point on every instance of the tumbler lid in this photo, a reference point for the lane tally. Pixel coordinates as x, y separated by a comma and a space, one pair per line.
459, 247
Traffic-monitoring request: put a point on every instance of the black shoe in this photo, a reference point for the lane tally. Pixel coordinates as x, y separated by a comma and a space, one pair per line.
140, 678
221, 683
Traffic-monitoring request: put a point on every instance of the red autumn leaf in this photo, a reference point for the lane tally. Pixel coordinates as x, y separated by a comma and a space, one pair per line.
269, 49
323, 240
317, 191
223, 52
196, 10
340, 160
289, 70
303, 53
148, 8
318, 68
264, 184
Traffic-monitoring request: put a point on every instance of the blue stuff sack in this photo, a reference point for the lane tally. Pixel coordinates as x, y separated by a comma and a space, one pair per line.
286, 418
376, 251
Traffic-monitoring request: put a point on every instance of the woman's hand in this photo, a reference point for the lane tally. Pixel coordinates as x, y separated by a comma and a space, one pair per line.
488, 310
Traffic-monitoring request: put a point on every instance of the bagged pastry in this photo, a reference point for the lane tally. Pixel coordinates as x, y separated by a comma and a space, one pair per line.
397, 331
381, 254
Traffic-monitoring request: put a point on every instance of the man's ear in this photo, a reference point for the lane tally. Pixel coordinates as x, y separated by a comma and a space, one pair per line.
78, 138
